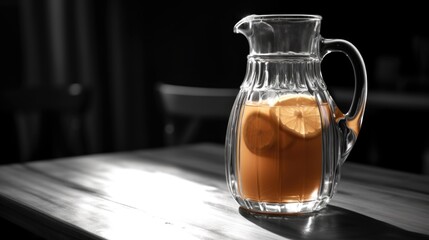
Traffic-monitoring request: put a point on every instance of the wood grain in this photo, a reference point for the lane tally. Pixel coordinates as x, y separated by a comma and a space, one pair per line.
180, 193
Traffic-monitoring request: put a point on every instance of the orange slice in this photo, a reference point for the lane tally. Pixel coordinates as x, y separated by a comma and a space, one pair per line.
298, 115
258, 132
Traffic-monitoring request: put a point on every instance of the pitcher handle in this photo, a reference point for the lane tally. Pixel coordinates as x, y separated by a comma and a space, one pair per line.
352, 121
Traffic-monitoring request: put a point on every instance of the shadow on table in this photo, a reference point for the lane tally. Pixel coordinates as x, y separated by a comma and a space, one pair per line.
330, 223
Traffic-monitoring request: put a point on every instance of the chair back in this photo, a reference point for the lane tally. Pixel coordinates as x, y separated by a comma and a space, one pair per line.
186, 109
46, 122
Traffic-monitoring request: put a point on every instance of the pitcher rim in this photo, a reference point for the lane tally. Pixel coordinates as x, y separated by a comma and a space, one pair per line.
261, 17
282, 16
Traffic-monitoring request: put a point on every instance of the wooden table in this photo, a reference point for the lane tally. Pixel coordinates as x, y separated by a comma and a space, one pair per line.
180, 193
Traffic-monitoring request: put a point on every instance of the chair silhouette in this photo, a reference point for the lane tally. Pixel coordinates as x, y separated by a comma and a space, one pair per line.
47, 122
186, 109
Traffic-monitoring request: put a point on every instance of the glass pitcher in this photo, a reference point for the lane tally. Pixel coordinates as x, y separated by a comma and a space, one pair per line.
286, 138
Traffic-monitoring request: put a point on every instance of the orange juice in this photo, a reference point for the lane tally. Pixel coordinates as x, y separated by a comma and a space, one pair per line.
280, 151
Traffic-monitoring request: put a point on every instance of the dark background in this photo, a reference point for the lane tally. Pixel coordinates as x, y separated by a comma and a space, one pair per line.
119, 50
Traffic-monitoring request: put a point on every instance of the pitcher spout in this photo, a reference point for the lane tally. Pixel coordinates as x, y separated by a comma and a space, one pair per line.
244, 26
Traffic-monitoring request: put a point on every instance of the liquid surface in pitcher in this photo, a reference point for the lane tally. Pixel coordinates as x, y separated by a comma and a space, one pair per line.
280, 150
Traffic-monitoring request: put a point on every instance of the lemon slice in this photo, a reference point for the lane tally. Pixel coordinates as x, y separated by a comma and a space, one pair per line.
258, 132
298, 115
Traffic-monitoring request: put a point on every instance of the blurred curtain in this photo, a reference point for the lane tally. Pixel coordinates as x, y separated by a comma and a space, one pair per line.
89, 43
